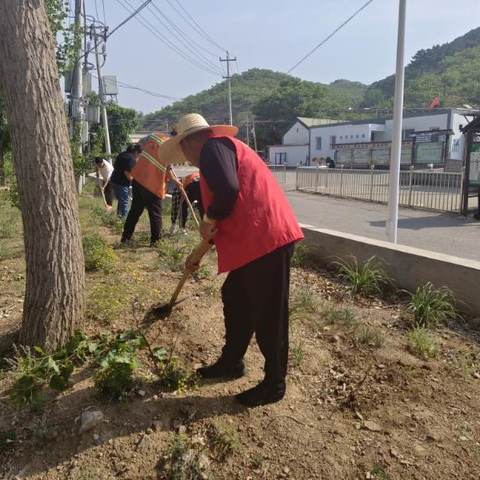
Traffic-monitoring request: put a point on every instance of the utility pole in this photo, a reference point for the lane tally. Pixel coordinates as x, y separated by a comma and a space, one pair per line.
101, 92
228, 59
76, 107
392, 221
248, 131
254, 133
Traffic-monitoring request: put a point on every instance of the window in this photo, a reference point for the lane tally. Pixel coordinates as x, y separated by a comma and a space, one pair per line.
280, 158
351, 136
341, 137
318, 141
357, 136
333, 141
363, 135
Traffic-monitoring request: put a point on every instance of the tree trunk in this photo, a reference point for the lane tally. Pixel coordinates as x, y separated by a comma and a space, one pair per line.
55, 281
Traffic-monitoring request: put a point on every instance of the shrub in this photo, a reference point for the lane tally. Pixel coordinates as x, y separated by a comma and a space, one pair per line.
108, 219
431, 305
173, 376
421, 344
98, 255
302, 256
368, 278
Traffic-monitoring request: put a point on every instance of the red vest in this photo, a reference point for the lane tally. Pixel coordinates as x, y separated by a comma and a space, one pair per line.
262, 220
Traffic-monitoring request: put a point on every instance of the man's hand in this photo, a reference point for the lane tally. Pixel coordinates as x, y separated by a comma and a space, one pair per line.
208, 229
192, 264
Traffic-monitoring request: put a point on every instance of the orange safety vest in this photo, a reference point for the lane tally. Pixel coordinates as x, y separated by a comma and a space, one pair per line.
149, 171
262, 219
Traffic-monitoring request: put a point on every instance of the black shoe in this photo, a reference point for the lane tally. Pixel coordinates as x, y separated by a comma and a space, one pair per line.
263, 394
222, 369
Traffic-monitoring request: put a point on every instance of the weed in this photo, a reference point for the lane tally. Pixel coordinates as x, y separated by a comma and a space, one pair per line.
256, 461
34, 370
203, 273
172, 255
223, 440
106, 302
183, 462
10, 222
468, 362
98, 255
431, 305
302, 256
173, 376
368, 278
7, 440
303, 303
369, 336
108, 219
115, 376
421, 344
378, 472
343, 317
296, 355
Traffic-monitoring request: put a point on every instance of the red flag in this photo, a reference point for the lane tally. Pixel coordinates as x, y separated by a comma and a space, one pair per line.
434, 103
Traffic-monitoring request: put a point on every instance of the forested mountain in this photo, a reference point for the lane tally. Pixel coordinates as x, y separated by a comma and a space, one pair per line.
450, 71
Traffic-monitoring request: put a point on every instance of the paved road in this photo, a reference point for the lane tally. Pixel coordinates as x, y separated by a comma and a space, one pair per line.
445, 233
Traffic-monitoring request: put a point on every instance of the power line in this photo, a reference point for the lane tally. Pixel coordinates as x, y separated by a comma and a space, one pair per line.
137, 11
146, 23
182, 37
194, 24
325, 40
96, 9
104, 15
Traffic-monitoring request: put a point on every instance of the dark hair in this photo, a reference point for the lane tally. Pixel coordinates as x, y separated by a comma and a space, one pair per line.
173, 132
98, 160
134, 148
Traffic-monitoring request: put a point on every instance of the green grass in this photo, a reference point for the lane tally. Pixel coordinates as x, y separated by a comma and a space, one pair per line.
302, 256
369, 336
297, 355
303, 303
368, 278
431, 306
98, 254
106, 302
421, 344
223, 440
342, 317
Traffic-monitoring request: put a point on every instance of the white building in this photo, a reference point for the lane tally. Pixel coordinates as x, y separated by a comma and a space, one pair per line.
294, 149
324, 138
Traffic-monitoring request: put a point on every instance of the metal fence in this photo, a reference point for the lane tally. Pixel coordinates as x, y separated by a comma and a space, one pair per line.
279, 172
432, 190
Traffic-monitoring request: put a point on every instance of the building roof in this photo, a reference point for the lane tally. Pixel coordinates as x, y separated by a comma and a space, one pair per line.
311, 122
373, 121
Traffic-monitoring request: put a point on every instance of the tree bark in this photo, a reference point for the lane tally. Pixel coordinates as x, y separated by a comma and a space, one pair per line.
55, 280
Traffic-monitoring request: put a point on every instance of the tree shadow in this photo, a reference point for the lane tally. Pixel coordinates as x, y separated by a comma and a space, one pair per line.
438, 221
122, 419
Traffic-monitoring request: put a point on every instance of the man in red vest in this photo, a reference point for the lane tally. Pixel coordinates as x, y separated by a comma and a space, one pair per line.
254, 230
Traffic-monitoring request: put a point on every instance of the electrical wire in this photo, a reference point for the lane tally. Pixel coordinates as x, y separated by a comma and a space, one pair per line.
143, 90
104, 14
146, 23
194, 24
183, 38
96, 9
134, 14
325, 40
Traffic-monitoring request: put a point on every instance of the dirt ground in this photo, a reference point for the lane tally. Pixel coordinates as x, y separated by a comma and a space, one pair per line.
357, 406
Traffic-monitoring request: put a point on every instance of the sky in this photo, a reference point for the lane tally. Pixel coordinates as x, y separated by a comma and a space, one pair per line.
271, 34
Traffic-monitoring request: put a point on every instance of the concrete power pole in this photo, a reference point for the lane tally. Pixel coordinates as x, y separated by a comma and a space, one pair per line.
248, 131
254, 134
394, 187
76, 106
228, 59
101, 94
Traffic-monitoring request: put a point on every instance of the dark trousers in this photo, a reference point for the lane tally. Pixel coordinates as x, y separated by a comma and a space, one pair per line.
108, 192
179, 205
141, 199
255, 300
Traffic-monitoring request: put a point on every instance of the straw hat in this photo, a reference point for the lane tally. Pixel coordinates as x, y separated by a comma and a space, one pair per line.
172, 152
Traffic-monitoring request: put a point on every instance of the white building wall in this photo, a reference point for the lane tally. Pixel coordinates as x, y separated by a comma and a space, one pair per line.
295, 154
457, 139
346, 133
296, 135
419, 124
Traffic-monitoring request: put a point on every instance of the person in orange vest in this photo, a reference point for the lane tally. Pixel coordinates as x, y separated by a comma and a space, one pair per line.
191, 186
254, 230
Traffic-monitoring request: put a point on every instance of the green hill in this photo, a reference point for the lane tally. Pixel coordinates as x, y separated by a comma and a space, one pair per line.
451, 71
